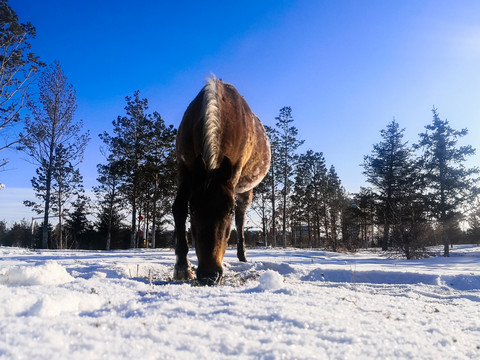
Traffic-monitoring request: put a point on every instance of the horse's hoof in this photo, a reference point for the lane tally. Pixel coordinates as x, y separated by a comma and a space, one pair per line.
183, 274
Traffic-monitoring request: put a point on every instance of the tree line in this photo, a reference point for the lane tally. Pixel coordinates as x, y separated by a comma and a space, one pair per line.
419, 194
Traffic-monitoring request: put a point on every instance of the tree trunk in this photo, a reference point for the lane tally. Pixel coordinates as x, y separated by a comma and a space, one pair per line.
446, 247
154, 229
109, 230
154, 213
134, 227
47, 207
274, 230
264, 223
60, 217
284, 220
284, 235
300, 235
309, 224
45, 220
326, 225
386, 232
60, 224
109, 237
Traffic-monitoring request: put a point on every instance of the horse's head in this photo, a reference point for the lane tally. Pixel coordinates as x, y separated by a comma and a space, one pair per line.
211, 209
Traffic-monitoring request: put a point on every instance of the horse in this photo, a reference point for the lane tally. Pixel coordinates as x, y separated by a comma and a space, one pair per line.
222, 153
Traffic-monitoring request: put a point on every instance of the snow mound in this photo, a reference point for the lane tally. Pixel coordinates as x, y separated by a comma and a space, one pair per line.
47, 273
281, 268
271, 280
51, 305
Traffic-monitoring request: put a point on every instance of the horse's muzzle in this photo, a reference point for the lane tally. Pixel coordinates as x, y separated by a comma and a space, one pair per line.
209, 278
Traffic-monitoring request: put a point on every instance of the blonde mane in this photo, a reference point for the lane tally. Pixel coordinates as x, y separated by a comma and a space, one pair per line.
211, 126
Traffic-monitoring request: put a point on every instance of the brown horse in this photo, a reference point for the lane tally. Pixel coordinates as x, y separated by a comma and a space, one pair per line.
223, 152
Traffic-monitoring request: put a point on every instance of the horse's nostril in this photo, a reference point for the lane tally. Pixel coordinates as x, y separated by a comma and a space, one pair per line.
209, 278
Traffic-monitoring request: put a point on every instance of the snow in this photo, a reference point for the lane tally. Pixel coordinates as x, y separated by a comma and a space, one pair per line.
270, 280
282, 304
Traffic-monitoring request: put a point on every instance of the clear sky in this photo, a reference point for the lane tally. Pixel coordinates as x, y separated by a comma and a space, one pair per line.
346, 68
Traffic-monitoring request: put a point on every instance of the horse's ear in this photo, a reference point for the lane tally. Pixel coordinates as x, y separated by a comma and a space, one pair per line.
199, 167
226, 168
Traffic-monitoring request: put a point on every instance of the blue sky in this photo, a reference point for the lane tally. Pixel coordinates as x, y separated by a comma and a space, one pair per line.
345, 67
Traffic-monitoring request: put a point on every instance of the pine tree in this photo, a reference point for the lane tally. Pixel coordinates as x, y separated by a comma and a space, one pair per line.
261, 204
67, 184
142, 149
287, 146
473, 221
301, 199
128, 144
109, 197
386, 169
309, 197
449, 184
336, 201
17, 69
77, 222
350, 220
365, 207
52, 137
160, 173
272, 179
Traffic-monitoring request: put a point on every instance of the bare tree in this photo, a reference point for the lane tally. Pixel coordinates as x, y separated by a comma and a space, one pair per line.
17, 67
51, 129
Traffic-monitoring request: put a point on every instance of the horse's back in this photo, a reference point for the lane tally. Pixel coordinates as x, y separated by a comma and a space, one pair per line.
219, 123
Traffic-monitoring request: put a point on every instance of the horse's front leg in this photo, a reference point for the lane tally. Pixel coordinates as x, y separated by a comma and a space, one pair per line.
242, 202
183, 269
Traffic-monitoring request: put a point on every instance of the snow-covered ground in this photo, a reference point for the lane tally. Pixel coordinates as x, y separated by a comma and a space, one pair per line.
283, 304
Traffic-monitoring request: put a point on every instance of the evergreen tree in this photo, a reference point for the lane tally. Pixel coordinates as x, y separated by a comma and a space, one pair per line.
3, 231
160, 173
301, 200
19, 235
52, 137
143, 148
261, 204
67, 184
287, 145
109, 197
350, 224
473, 220
272, 179
336, 201
128, 144
449, 184
77, 222
365, 207
309, 197
17, 69
387, 169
